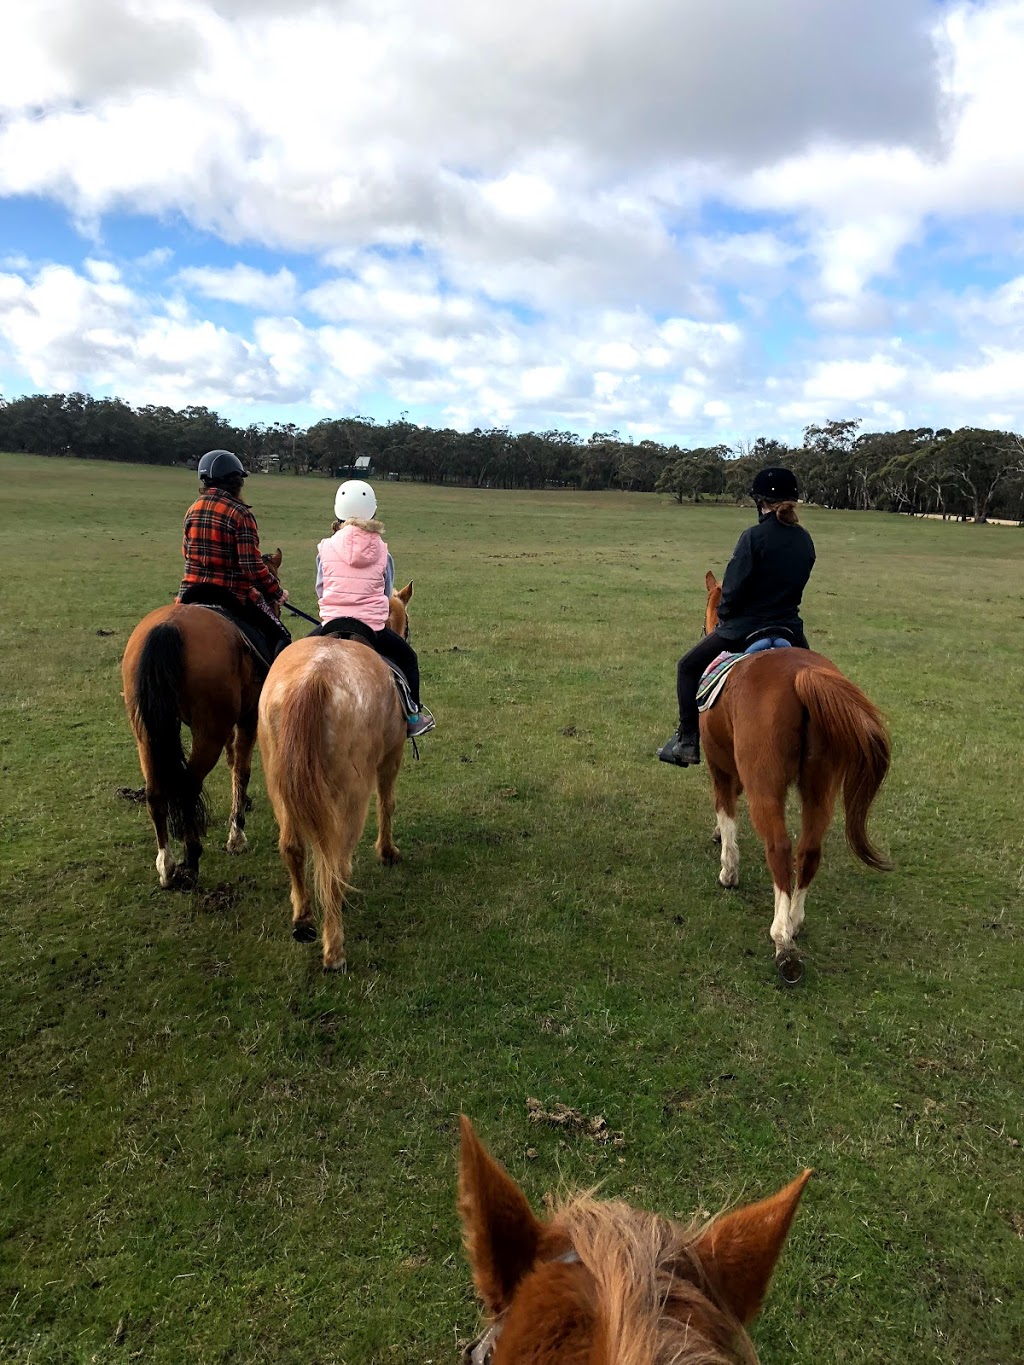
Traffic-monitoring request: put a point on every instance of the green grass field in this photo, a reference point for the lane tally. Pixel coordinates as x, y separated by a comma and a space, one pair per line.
211, 1152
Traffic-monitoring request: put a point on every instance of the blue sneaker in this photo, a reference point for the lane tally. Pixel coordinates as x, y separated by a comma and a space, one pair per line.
420, 723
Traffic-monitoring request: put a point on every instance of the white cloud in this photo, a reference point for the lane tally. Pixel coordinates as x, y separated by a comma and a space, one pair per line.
582, 214
243, 285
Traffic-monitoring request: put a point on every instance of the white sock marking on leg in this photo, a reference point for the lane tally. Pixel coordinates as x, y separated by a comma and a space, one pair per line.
730, 873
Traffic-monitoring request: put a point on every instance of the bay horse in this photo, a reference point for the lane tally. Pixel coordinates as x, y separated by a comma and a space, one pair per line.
188, 665
606, 1284
788, 717
332, 729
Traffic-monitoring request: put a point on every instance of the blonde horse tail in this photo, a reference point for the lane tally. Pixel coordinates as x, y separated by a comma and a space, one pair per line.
852, 731
156, 719
297, 769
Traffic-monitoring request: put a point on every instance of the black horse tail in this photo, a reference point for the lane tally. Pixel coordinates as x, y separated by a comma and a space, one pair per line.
157, 720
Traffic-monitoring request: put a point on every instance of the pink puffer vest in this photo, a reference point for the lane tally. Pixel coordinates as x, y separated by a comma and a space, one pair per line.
353, 561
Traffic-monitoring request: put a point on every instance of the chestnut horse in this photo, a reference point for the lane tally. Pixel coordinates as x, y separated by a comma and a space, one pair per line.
331, 729
188, 665
788, 717
605, 1284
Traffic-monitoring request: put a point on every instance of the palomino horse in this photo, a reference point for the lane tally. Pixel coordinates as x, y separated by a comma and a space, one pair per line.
789, 717
188, 665
331, 728
604, 1284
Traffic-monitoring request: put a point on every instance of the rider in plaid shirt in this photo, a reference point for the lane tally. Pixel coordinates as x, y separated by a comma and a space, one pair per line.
222, 550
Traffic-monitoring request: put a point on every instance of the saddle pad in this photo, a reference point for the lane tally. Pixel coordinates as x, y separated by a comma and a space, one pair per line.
712, 680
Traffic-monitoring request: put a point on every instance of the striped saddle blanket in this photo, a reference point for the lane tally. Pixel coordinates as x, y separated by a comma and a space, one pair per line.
713, 679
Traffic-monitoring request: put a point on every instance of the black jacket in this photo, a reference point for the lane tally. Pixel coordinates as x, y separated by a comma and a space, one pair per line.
765, 578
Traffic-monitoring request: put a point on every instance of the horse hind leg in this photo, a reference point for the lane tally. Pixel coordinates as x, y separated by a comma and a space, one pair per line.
727, 792
206, 749
156, 804
293, 855
818, 799
331, 873
387, 776
239, 753
768, 814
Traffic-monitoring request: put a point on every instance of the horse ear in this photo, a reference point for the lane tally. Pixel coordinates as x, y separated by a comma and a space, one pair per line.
405, 594
276, 558
499, 1228
739, 1249
710, 581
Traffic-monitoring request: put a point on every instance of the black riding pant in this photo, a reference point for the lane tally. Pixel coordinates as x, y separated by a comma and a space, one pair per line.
401, 652
692, 665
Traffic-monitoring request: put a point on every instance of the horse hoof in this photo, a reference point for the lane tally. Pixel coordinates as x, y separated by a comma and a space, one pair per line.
341, 966
304, 932
730, 881
186, 878
790, 967
390, 856
237, 842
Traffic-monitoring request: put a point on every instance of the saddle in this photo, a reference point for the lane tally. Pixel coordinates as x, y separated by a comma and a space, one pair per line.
349, 628
263, 650
714, 677
258, 646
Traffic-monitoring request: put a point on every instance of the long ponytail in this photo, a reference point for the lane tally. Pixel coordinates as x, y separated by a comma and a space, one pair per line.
785, 512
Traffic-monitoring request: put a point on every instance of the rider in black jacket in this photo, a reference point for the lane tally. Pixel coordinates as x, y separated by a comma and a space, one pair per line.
761, 592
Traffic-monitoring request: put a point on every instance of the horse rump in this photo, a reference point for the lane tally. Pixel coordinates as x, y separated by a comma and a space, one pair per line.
853, 733
156, 718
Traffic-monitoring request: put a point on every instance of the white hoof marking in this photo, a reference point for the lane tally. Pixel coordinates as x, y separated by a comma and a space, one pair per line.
237, 842
165, 866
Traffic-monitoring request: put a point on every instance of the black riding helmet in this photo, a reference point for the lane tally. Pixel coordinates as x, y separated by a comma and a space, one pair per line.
775, 485
217, 465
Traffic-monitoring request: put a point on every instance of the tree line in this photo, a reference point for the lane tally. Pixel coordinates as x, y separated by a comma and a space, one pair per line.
968, 473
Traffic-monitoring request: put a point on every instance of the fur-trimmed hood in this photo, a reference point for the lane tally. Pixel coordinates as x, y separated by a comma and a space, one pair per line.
375, 527
360, 544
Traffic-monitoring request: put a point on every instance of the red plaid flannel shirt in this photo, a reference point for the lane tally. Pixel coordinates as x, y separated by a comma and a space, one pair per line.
222, 546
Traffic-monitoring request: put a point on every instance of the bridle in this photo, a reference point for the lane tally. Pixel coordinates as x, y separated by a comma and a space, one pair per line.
481, 1351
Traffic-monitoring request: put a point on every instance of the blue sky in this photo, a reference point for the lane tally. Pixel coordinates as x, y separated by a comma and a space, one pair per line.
697, 222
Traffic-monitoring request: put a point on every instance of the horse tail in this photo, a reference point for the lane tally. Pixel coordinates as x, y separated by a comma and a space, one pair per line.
156, 717
304, 797
853, 733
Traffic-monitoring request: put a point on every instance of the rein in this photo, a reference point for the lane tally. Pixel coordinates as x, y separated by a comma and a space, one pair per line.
481, 1351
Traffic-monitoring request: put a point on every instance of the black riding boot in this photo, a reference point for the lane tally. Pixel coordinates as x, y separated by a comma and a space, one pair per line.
683, 749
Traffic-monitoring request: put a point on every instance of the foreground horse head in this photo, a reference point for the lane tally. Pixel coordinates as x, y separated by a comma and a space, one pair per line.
187, 665
605, 1284
331, 729
788, 717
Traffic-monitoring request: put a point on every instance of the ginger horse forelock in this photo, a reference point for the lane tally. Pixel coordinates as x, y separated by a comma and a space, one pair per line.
607, 1284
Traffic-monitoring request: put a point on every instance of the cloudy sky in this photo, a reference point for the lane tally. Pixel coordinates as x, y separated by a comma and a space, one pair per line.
678, 218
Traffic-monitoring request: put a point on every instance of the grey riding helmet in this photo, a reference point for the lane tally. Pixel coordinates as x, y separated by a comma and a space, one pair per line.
220, 464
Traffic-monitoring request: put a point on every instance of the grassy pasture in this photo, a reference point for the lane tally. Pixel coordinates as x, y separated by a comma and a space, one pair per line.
211, 1152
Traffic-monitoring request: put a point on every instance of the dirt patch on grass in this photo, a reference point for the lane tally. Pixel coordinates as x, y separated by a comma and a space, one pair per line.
574, 1121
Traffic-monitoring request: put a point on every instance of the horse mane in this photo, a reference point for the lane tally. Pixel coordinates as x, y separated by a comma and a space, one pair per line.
654, 1300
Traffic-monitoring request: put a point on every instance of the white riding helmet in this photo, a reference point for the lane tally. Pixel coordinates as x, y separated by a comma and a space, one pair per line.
354, 499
